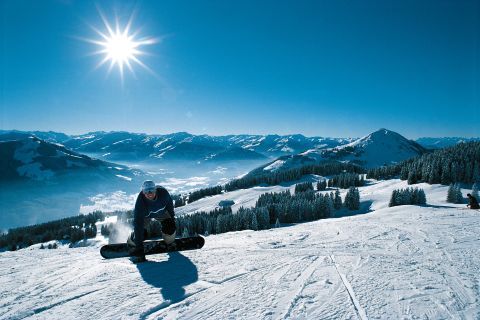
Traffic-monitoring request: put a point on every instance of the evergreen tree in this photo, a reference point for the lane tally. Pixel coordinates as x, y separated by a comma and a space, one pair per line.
337, 202
393, 199
322, 185
412, 179
254, 222
458, 194
421, 198
352, 199
451, 197
277, 223
475, 189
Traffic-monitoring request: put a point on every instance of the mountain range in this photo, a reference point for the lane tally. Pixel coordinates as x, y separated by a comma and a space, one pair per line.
31, 158
126, 146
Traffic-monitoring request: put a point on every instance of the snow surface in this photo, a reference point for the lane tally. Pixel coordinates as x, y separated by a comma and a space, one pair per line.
406, 262
274, 166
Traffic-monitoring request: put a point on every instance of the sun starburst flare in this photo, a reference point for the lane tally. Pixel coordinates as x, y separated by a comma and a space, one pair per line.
120, 46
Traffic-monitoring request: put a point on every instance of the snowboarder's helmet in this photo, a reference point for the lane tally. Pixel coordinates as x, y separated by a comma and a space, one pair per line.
148, 186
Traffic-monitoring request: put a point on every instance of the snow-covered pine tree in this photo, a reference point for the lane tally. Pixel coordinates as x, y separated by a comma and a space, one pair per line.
393, 199
412, 179
352, 199
451, 194
277, 223
475, 189
321, 185
421, 198
337, 202
458, 194
253, 222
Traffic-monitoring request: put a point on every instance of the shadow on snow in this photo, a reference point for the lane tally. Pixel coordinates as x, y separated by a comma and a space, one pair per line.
170, 276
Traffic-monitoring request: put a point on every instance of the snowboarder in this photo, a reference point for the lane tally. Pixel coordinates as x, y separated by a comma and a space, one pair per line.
153, 203
472, 202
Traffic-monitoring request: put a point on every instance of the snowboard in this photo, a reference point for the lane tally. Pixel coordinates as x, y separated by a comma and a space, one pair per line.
120, 250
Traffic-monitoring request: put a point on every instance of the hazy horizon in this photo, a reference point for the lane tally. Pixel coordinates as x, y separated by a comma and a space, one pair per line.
237, 134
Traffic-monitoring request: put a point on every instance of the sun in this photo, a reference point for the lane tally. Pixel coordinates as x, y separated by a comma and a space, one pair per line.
120, 47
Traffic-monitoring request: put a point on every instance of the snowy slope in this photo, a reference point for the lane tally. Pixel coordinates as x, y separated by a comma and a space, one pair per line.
405, 262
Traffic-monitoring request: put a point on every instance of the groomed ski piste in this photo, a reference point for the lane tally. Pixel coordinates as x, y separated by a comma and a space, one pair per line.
405, 262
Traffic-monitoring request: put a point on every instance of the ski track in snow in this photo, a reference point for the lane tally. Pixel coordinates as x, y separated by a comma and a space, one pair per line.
405, 262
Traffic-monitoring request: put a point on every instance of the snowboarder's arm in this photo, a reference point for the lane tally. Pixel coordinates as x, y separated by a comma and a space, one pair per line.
138, 220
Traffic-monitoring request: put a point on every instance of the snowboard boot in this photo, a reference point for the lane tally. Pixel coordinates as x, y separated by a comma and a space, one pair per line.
170, 241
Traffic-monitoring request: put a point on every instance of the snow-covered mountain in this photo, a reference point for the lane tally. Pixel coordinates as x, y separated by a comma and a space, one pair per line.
185, 146
275, 145
31, 158
439, 143
405, 262
49, 136
382, 147
141, 147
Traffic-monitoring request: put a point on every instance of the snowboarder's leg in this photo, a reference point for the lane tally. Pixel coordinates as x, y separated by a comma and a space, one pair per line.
168, 231
137, 254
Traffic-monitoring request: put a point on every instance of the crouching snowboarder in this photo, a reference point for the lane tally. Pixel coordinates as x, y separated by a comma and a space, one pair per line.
153, 203
472, 202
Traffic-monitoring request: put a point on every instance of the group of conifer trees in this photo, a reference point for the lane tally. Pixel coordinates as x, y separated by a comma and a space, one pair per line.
457, 164
271, 209
274, 178
415, 196
70, 229
304, 186
352, 199
346, 180
198, 194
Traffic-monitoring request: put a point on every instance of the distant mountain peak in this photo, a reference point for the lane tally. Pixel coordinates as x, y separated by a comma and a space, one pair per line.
381, 147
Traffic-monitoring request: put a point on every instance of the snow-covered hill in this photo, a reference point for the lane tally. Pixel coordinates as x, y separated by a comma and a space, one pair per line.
36, 159
382, 147
405, 262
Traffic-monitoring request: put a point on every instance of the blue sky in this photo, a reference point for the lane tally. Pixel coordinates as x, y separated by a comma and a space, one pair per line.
319, 68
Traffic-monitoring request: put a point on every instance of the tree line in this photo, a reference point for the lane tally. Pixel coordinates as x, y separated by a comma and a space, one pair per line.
70, 229
205, 192
346, 180
275, 178
456, 164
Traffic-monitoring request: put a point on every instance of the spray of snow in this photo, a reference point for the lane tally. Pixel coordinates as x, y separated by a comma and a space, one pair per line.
120, 232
